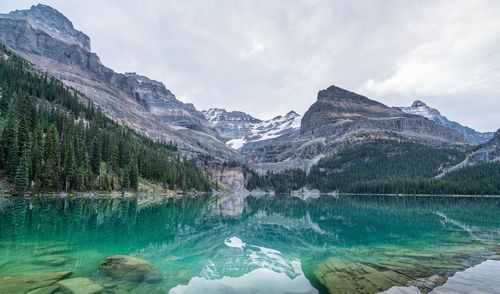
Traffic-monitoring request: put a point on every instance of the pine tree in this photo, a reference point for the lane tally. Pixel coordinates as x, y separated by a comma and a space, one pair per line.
13, 153
125, 179
96, 155
9, 135
4, 102
50, 173
134, 176
37, 157
21, 179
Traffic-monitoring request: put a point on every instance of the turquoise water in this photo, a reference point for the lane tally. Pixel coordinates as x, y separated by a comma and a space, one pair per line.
265, 244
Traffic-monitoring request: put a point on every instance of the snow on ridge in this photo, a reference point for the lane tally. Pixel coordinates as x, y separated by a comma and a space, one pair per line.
258, 130
422, 110
269, 129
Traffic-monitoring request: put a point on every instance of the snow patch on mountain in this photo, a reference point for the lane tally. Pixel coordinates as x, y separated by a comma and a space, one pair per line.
472, 136
241, 128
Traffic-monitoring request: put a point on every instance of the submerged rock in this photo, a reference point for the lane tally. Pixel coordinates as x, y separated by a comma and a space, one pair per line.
51, 250
30, 283
45, 290
51, 260
421, 270
130, 268
341, 276
80, 286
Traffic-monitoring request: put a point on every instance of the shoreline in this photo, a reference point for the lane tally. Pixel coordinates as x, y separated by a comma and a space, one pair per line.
249, 193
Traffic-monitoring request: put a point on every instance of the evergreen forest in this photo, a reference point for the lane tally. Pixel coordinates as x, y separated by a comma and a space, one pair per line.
53, 139
387, 167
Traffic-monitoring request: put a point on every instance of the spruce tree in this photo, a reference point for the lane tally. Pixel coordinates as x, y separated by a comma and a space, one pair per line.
96, 155
21, 179
134, 176
37, 157
51, 152
13, 153
9, 134
125, 179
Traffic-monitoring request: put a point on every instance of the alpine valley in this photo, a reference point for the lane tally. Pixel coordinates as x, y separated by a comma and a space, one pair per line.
129, 132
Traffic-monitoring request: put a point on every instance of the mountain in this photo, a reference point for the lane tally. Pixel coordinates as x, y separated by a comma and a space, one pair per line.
241, 129
488, 152
48, 39
340, 118
230, 124
340, 113
337, 119
472, 136
52, 140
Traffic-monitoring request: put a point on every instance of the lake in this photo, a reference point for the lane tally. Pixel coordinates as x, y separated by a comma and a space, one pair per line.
252, 244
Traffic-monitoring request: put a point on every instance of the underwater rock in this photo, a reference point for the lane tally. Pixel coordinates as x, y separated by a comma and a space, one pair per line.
421, 270
130, 268
45, 290
342, 276
51, 250
27, 283
80, 286
51, 260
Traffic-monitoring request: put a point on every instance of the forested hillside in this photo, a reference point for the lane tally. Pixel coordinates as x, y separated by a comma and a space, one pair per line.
53, 141
388, 167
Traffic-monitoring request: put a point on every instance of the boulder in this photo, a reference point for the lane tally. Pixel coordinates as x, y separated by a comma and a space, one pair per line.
130, 268
80, 286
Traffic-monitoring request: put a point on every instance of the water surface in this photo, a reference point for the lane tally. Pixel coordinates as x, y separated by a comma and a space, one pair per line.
265, 244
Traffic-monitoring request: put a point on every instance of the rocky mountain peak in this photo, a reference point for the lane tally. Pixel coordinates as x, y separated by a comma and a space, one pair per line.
230, 124
334, 93
418, 103
340, 113
292, 114
218, 115
420, 108
336, 105
52, 22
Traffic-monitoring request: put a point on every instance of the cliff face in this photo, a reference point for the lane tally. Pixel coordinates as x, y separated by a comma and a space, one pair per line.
48, 39
338, 112
496, 136
232, 178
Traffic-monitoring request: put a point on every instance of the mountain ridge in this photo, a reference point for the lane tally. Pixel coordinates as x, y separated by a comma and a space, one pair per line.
143, 104
338, 111
472, 136
53, 23
241, 128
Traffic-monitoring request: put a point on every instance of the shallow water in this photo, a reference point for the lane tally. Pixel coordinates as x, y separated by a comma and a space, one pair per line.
237, 244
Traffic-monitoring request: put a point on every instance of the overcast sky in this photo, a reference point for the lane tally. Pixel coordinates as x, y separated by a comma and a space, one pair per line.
267, 57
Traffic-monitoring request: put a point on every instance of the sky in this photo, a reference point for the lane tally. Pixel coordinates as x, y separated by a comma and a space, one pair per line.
267, 57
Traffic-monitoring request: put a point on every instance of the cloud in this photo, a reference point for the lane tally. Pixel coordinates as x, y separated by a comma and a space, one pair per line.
268, 57
461, 57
